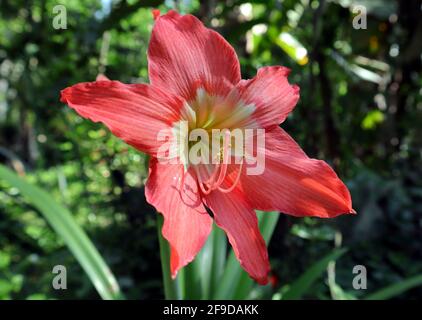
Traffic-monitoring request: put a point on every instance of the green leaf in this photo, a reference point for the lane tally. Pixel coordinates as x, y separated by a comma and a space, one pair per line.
219, 258
372, 119
299, 287
267, 223
193, 281
395, 289
210, 261
230, 278
292, 47
362, 73
338, 293
203, 266
72, 234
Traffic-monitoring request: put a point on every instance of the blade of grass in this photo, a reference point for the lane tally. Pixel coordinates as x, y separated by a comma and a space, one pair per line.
395, 289
305, 281
63, 223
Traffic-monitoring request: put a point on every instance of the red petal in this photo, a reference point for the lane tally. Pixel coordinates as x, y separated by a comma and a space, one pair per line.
271, 94
186, 222
295, 184
235, 216
133, 112
183, 53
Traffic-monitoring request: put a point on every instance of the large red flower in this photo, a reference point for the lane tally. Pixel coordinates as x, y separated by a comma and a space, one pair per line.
195, 77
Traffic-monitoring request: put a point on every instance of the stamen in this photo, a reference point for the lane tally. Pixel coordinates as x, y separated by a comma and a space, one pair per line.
201, 182
226, 155
180, 187
188, 199
236, 181
211, 180
181, 180
212, 183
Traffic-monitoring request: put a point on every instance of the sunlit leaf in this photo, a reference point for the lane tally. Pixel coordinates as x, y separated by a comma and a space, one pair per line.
293, 48
372, 119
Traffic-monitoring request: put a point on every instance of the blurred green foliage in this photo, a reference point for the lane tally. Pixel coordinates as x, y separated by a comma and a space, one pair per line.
360, 110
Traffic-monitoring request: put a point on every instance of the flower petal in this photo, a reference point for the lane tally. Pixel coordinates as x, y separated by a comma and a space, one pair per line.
186, 221
293, 183
133, 112
183, 54
235, 216
271, 95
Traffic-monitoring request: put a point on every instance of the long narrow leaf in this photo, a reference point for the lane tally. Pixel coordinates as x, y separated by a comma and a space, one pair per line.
193, 281
209, 263
304, 282
219, 258
72, 234
230, 278
396, 289
203, 262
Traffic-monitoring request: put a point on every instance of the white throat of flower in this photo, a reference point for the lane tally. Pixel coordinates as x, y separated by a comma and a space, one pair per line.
207, 138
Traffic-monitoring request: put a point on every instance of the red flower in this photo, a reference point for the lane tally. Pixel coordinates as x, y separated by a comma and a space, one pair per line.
195, 76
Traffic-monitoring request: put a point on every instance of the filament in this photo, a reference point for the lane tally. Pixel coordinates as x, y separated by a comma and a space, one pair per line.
213, 183
236, 181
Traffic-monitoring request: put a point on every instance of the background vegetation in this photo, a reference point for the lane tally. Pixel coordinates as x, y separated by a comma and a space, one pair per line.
360, 110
